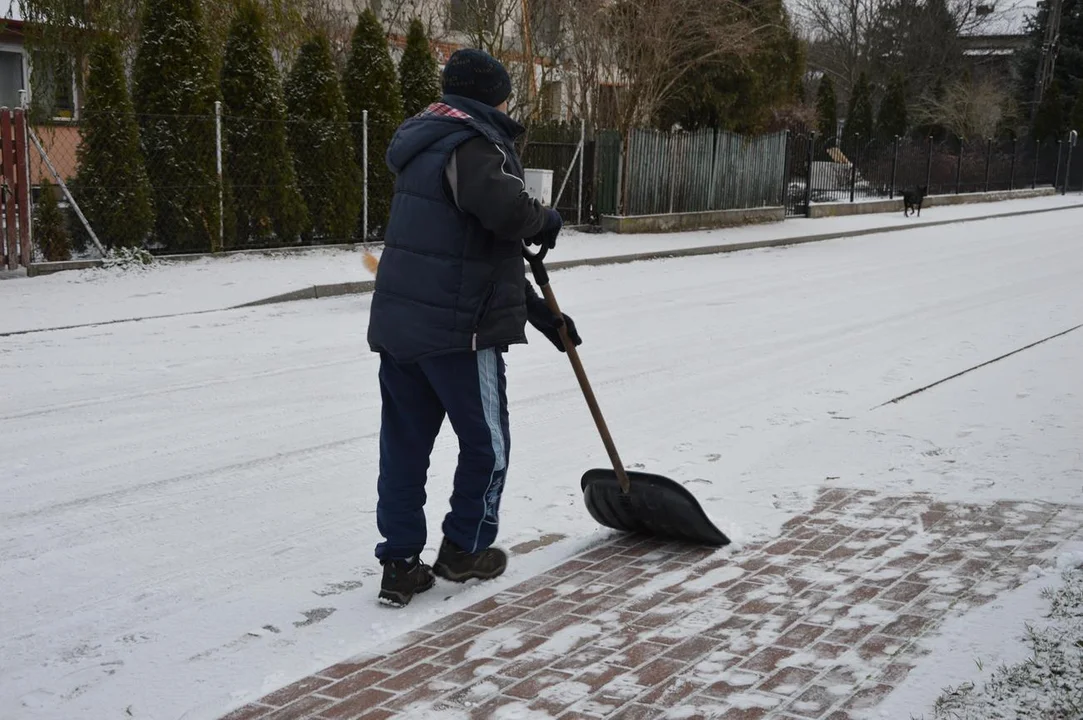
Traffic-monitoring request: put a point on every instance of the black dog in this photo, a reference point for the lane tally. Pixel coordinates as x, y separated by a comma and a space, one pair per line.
913, 199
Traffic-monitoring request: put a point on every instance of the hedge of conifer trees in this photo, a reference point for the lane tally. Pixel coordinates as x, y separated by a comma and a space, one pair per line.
292, 169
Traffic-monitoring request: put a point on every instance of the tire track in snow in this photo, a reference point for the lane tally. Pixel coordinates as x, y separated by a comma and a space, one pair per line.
156, 486
106, 399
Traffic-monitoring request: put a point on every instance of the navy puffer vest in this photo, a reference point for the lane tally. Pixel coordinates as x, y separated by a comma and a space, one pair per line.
445, 283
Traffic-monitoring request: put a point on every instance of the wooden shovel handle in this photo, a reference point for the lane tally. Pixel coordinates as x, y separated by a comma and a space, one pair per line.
542, 278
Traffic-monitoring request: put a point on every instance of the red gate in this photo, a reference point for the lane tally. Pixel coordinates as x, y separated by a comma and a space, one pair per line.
14, 189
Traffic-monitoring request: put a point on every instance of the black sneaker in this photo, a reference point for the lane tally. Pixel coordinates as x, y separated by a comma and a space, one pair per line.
459, 566
403, 579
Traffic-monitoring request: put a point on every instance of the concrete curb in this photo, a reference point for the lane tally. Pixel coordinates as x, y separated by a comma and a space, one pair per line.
315, 293
683, 222
871, 207
360, 288
38, 269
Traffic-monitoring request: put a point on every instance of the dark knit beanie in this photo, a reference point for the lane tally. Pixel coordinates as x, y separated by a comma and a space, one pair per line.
477, 75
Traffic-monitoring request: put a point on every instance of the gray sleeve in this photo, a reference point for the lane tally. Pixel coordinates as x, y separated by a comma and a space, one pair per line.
482, 186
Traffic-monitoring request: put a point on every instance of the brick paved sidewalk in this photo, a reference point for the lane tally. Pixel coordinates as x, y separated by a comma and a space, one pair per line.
820, 623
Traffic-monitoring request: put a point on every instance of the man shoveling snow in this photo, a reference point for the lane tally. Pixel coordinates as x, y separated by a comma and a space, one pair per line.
451, 296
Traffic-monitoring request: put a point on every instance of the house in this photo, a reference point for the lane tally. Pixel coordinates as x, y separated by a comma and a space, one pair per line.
50, 84
995, 42
497, 25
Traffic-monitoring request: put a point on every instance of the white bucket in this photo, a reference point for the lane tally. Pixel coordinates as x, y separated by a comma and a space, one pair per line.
539, 185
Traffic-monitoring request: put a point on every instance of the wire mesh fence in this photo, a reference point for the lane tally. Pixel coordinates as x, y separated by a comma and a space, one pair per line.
556, 147
180, 184
177, 184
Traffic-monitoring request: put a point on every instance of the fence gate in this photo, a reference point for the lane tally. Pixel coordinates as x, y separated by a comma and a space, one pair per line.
797, 176
14, 189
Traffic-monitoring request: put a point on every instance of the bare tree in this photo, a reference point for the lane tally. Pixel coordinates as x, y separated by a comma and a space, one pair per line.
530, 45
969, 110
840, 34
920, 38
544, 56
586, 53
485, 24
653, 55
396, 15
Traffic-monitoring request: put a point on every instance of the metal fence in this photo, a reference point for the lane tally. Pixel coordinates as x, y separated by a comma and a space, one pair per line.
656, 171
15, 241
556, 147
678, 172
822, 170
197, 183
222, 182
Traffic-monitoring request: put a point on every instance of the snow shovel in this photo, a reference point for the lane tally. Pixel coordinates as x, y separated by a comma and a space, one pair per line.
638, 503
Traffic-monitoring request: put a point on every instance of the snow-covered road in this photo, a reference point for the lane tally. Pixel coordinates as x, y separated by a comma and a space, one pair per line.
187, 514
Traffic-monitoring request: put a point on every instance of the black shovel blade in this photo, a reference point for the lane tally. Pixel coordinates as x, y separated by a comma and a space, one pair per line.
654, 505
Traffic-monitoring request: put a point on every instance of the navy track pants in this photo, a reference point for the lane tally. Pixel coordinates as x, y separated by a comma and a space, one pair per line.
470, 389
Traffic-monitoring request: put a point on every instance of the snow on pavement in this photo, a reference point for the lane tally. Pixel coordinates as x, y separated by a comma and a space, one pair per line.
100, 295
189, 502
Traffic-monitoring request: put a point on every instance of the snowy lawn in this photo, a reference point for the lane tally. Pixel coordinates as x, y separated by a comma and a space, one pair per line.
89, 296
1048, 684
1018, 658
188, 514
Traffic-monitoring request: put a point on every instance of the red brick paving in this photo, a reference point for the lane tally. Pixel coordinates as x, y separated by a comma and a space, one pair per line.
813, 625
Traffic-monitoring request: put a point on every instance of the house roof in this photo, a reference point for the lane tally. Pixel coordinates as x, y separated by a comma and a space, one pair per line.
1010, 18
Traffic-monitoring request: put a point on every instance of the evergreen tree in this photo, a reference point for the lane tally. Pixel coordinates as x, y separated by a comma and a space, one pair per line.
736, 93
1076, 118
1068, 71
370, 83
321, 145
892, 120
827, 109
929, 127
50, 230
111, 186
174, 91
267, 203
1049, 123
859, 114
917, 39
418, 74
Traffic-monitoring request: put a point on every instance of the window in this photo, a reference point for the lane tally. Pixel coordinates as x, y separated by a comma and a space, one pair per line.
608, 113
52, 82
552, 100
11, 78
545, 20
473, 16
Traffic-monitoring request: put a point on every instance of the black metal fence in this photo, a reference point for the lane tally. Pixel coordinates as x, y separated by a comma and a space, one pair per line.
556, 147
823, 170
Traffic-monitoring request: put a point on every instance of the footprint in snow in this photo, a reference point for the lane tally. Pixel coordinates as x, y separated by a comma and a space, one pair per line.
314, 616
340, 587
714, 457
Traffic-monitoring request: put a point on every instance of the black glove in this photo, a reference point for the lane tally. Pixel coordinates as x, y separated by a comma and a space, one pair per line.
547, 236
547, 323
